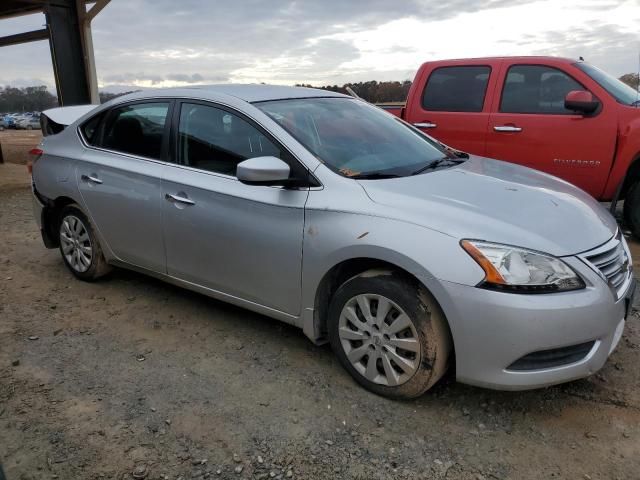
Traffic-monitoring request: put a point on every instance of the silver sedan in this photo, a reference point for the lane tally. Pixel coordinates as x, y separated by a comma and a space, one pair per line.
330, 214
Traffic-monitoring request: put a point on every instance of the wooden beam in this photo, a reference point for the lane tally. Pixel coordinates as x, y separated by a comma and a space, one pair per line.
25, 37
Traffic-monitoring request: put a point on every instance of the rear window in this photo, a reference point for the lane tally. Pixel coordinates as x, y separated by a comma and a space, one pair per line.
456, 89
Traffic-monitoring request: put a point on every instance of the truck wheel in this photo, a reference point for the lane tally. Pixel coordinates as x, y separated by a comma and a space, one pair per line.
632, 209
389, 333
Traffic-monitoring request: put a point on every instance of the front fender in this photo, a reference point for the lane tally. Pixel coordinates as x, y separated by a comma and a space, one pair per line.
331, 238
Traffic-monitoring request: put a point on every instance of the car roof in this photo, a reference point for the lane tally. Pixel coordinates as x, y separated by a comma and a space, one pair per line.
249, 93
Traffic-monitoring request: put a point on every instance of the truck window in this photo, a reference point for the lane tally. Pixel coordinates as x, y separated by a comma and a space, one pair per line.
456, 89
536, 89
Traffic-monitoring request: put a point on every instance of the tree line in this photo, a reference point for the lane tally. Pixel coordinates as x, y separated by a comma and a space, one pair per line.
372, 91
383, 92
38, 98
35, 99
28, 99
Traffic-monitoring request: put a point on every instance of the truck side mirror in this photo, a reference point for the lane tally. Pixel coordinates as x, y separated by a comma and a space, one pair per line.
581, 101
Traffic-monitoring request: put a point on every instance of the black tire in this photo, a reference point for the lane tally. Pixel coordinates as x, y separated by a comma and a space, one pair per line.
632, 210
97, 266
425, 315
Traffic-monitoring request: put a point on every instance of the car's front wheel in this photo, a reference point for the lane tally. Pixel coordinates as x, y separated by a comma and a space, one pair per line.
389, 333
79, 245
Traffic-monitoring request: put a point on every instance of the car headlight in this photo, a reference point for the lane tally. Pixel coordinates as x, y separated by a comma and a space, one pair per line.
519, 270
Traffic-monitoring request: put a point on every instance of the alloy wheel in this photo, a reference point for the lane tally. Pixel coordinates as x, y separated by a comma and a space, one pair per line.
379, 339
75, 243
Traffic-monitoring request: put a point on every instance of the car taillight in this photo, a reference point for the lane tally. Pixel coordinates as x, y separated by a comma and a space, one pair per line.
37, 153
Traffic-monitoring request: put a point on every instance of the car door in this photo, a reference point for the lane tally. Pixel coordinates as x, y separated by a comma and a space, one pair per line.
119, 177
240, 240
531, 127
454, 105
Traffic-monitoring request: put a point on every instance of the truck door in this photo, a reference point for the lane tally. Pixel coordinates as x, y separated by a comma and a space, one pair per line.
530, 126
453, 106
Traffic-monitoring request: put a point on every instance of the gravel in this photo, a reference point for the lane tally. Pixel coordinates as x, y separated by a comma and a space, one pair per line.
80, 406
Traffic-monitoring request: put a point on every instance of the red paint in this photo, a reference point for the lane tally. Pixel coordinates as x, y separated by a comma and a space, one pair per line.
593, 151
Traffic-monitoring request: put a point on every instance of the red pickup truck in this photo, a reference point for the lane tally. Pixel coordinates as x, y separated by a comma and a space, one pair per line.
561, 116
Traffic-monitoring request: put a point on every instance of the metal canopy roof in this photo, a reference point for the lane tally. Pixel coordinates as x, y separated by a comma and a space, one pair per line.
14, 8
68, 30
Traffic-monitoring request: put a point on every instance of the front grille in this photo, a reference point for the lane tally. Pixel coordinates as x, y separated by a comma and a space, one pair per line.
612, 262
556, 357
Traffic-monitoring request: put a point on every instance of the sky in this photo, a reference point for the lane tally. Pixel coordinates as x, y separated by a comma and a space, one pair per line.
158, 43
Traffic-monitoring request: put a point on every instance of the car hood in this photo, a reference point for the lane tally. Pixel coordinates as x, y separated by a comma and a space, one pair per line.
497, 201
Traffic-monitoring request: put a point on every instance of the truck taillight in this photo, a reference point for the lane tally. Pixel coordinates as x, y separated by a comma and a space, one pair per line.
37, 153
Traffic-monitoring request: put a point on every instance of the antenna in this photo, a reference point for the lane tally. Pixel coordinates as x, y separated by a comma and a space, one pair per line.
354, 94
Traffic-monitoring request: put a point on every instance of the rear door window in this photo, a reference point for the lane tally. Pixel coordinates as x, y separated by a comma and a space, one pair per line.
137, 129
536, 89
456, 89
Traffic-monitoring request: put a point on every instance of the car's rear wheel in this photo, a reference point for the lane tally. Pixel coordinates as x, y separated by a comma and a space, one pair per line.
389, 333
79, 245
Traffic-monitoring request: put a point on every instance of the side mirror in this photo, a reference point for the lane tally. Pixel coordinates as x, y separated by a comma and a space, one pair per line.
581, 101
263, 171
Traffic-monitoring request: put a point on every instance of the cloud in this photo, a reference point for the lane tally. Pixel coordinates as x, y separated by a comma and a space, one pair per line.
599, 43
183, 77
252, 40
164, 42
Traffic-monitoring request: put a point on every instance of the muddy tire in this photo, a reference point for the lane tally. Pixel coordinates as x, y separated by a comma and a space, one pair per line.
79, 245
389, 333
632, 210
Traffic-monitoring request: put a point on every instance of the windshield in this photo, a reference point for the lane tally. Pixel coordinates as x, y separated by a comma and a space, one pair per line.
622, 92
354, 138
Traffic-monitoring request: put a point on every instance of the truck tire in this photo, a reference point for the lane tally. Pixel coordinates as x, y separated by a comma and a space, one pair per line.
632, 209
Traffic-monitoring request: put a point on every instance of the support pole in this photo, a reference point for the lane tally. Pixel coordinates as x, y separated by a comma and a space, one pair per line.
65, 40
85, 18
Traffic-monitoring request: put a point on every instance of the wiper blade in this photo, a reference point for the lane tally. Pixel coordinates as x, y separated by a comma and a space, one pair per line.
460, 154
375, 176
437, 163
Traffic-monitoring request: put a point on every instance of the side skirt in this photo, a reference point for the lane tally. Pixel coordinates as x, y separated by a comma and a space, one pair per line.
255, 307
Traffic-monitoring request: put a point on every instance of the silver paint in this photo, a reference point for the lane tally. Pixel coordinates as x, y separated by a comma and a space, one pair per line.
269, 248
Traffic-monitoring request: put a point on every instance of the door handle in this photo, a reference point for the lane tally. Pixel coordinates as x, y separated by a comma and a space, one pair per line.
91, 178
178, 198
425, 125
507, 128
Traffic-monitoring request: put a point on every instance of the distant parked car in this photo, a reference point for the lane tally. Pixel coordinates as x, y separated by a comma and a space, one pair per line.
329, 214
30, 122
9, 121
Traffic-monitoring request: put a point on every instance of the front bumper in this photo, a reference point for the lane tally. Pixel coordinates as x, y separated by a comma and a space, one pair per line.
492, 330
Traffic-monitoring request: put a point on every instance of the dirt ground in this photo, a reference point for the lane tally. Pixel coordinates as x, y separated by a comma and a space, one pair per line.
16, 144
133, 378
